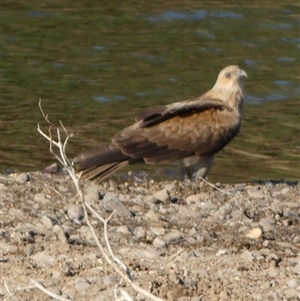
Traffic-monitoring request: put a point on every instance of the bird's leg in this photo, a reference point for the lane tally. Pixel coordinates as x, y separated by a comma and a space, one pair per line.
195, 167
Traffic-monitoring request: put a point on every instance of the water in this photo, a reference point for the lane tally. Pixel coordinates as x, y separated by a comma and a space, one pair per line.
95, 66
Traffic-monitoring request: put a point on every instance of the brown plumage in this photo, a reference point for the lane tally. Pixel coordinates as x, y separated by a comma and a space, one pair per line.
190, 132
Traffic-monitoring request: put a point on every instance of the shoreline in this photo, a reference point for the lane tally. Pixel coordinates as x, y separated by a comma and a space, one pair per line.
189, 242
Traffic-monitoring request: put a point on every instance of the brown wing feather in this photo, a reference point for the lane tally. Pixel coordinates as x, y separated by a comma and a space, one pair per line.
150, 113
184, 108
200, 133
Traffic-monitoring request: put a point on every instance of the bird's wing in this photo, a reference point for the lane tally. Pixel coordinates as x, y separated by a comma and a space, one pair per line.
150, 112
183, 129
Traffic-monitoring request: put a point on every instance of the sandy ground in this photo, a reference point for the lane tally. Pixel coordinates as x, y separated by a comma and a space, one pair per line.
181, 240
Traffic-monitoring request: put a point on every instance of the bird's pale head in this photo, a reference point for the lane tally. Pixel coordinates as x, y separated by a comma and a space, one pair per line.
230, 84
231, 77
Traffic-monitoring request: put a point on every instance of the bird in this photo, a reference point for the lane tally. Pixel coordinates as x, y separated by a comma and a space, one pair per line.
188, 132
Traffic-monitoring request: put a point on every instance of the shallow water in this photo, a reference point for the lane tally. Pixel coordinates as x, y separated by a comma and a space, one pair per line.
95, 65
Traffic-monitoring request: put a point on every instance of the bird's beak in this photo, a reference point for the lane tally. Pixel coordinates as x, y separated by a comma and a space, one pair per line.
242, 73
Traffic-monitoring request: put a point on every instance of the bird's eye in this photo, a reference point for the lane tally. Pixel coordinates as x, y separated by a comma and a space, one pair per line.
227, 74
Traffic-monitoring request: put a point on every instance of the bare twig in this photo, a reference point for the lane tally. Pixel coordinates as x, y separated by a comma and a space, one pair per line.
110, 257
214, 186
47, 292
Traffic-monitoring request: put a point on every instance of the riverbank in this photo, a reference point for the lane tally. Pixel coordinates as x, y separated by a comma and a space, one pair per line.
181, 240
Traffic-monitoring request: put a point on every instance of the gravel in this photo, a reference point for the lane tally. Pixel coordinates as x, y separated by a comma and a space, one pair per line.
181, 240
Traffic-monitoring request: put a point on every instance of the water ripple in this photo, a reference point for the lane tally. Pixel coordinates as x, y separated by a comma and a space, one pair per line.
286, 59
39, 14
275, 25
169, 16
283, 82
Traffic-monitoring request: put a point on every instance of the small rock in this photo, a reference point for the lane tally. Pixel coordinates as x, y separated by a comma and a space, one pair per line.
193, 199
158, 231
109, 280
247, 255
294, 283
44, 260
267, 224
53, 168
255, 194
122, 229
254, 233
296, 269
23, 177
91, 193
112, 185
150, 199
150, 215
196, 299
222, 252
191, 240
159, 243
48, 222
75, 213
81, 285
226, 209
290, 293
190, 283
139, 233
60, 233
162, 195
55, 290
110, 203
173, 236
148, 253
76, 240
283, 191
3, 187
30, 250
16, 213
41, 199
273, 272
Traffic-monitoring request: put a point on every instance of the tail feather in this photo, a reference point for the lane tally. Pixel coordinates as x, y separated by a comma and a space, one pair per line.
103, 171
101, 161
100, 155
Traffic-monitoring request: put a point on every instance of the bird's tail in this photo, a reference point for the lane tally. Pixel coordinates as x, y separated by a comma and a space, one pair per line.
100, 162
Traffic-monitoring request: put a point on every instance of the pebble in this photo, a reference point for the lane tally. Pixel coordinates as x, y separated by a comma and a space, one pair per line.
53, 168
296, 268
75, 213
43, 260
81, 285
193, 199
162, 195
294, 283
247, 255
23, 177
173, 236
254, 233
150, 215
48, 222
110, 203
158, 231
109, 280
16, 213
273, 272
290, 293
159, 243
139, 233
255, 194
267, 224
60, 233
122, 229
222, 252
